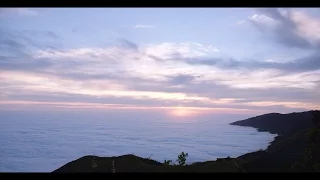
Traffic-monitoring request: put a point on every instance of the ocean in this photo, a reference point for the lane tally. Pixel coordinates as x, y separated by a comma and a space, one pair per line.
42, 141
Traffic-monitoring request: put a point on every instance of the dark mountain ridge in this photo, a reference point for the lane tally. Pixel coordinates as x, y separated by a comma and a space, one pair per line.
287, 148
281, 124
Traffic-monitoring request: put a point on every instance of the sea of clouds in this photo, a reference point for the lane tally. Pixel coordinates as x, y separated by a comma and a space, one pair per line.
42, 141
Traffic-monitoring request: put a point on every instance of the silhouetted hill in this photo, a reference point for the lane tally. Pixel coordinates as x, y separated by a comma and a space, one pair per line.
280, 155
281, 124
132, 163
286, 148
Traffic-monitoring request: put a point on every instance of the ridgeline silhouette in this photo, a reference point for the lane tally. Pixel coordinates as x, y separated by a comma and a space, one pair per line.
295, 149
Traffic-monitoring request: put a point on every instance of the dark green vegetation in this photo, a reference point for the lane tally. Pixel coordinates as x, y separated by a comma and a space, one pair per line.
131, 163
296, 148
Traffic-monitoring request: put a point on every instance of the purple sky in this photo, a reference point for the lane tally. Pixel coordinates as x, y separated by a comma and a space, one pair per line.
179, 60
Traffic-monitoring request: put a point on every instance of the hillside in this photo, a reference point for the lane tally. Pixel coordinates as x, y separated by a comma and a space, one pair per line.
290, 144
280, 155
281, 124
132, 163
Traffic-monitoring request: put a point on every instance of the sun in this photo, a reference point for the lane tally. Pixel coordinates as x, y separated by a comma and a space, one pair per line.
181, 111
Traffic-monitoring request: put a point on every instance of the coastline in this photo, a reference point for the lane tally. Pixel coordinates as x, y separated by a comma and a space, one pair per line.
275, 138
286, 148
191, 164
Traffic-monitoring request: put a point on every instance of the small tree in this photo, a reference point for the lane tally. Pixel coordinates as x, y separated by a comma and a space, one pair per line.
167, 162
182, 158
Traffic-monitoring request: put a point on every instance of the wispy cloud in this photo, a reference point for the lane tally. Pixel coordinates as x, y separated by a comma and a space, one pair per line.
34, 67
240, 22
144, 26
18, 12
292, 28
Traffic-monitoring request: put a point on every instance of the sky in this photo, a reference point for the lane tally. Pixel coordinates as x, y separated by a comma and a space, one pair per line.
180, 60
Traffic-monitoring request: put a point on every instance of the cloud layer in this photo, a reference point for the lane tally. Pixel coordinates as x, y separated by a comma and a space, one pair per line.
35, 67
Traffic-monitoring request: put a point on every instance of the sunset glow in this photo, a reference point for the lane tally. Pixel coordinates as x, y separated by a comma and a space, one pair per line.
140, 62
181, 112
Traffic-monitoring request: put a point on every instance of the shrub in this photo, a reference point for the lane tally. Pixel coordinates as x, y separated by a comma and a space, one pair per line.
182, 158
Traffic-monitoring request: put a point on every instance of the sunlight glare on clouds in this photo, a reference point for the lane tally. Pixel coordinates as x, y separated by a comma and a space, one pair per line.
182, 112
54, 84
194, 65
